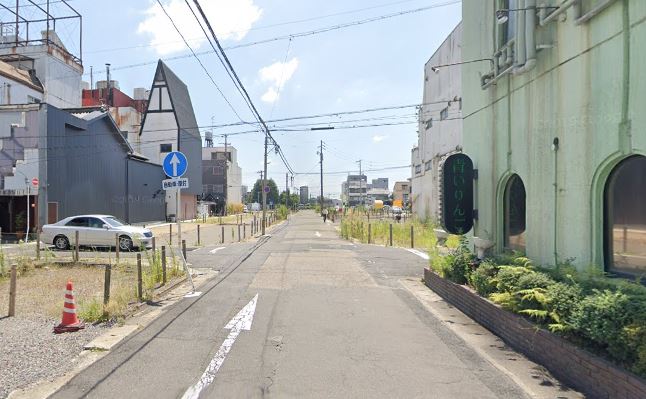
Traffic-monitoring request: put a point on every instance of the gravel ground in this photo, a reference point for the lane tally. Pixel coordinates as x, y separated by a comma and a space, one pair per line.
30, 352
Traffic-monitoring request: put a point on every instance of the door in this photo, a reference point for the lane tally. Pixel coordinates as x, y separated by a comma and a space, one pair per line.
52, 212
77, 224
96, 235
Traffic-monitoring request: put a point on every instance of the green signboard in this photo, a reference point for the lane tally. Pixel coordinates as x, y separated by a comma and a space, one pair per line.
457, 194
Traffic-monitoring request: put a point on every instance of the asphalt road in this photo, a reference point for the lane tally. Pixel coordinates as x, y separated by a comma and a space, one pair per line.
330, 321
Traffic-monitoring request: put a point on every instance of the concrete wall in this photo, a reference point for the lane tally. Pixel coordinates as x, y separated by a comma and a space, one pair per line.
12, 92
442, 91
588, 91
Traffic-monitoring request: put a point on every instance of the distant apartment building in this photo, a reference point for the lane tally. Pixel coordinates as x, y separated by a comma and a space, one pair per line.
304, 195
356, 189
221, 178
380, 183
401, 192
440, 125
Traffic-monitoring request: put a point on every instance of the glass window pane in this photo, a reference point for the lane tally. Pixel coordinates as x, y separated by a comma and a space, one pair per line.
626, 216
515, 216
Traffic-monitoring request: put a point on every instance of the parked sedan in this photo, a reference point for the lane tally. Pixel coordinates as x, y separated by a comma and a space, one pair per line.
96, 231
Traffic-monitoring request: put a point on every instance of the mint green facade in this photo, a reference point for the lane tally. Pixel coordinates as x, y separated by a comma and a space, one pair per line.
588, 89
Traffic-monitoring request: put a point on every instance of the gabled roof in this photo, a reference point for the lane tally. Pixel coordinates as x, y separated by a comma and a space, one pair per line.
93, 115
180, 100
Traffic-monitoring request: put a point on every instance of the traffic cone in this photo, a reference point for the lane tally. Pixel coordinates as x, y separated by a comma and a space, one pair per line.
70, 322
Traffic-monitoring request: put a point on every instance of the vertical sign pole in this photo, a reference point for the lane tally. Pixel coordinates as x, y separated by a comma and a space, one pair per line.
178, 216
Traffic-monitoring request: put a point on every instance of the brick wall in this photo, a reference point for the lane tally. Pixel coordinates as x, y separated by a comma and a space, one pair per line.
589, 374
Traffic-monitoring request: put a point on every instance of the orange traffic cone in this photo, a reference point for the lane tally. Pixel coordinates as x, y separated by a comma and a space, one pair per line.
70, 322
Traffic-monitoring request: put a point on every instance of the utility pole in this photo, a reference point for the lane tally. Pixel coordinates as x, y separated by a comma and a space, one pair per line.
258, 197
286, 189
360, 184
321, 158
264, 184
109, 97
226, 175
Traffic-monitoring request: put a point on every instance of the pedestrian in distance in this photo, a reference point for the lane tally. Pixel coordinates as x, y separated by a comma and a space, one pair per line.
324, 213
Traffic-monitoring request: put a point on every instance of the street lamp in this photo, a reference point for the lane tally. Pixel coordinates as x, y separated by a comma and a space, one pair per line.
502, 15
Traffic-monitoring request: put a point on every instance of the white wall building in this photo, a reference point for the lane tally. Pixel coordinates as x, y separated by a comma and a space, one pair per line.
440, 126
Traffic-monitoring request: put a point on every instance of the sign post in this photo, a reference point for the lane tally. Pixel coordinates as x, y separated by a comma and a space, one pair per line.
175, 165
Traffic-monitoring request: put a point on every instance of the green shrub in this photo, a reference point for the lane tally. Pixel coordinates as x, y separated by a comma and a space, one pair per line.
459, 262
508, 277
562, 302
601, 318
481, 278
534, 280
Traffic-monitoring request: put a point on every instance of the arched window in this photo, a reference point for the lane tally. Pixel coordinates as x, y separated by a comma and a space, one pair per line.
515, 214
625, 217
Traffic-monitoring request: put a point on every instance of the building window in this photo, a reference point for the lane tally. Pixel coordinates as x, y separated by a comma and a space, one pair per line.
427, 165
165, 148
218, 188
625, 217
507, 29
429, 123
218, 170
33, 100
444, 113
515, 217
418, 169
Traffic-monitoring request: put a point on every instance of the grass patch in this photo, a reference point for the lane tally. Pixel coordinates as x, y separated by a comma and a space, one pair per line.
355, 226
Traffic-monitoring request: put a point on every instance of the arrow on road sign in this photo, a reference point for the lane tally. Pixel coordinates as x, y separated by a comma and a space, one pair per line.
241, 321
174, 161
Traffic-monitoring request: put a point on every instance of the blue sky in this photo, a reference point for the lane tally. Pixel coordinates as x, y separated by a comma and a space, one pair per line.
376, 64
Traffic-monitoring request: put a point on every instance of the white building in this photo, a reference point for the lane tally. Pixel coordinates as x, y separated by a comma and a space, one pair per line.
440, 126
169, 125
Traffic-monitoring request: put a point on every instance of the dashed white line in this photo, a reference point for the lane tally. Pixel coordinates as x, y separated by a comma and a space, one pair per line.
418, 253
216, 250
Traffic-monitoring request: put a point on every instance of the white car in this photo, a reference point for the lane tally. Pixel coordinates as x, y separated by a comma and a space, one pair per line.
96, 231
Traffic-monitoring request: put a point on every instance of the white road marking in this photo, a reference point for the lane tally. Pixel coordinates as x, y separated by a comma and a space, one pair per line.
241, 321
317, 234
216, 250
418, 253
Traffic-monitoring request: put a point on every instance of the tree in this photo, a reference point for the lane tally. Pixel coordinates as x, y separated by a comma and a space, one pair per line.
292, 200
272, 195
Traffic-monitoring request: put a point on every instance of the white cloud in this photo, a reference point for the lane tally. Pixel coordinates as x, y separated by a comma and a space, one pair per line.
231, 19
277, 74
378, 138
270, 95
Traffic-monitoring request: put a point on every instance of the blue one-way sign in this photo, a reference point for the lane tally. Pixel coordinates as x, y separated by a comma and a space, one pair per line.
175, 164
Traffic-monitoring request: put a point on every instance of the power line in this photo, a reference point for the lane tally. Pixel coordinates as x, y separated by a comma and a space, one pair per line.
198, 60
297, 34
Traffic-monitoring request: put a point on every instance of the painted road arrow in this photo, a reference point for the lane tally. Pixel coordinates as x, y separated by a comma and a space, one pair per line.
241, 321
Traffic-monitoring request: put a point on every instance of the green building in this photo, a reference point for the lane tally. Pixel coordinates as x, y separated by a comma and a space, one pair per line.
554, 107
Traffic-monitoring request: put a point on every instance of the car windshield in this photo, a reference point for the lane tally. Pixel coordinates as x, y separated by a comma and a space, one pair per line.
114, 222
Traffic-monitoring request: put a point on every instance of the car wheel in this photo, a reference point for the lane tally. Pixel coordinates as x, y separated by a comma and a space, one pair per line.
61, 243
125, 243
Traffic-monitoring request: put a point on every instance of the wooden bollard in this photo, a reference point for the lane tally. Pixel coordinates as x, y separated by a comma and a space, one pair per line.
12, 290
170, 234
163, 263
154, 247
184, 248
140, 286
369, 232
391, 234
222, 235
198, 234
106, 284
244, 231
412, 236
76, 245
116, 247
37, 245
239, 238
